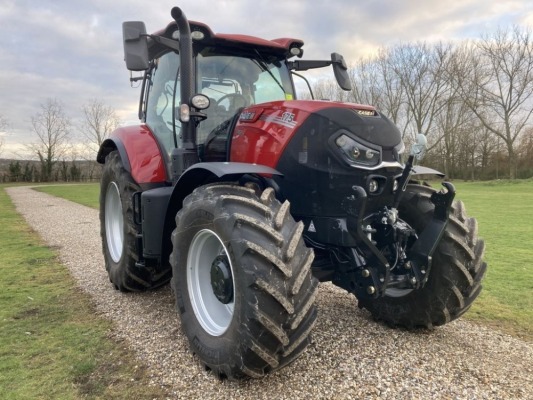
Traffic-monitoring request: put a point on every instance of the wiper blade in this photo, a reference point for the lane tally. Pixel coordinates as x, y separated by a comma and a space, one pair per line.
262, 64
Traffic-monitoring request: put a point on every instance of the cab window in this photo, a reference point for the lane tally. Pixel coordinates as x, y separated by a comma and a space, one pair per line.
163, 86
233, 82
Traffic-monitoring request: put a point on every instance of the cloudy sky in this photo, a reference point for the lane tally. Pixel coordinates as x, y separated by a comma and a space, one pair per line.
71, 50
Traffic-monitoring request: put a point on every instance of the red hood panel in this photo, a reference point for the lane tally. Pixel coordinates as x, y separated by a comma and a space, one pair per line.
265, 129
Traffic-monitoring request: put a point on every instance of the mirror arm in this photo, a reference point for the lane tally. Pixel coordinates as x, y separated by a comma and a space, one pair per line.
304, 65
170, 43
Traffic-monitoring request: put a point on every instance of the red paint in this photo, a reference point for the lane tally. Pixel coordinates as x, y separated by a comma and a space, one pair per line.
147, 164
263, 139
249, 40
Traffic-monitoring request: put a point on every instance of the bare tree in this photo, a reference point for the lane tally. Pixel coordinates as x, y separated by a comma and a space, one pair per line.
393, 102
3, 128
100, 120
525, 151
366, 82
420, 70
52, 129
456, 124
496, 80
374, 82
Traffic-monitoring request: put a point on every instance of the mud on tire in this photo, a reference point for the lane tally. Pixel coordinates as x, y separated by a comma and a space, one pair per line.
267, 312
118, 231
455, 276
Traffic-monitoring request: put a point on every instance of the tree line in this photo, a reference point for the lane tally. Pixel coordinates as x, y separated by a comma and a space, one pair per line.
473, 100
64, 171
54, 147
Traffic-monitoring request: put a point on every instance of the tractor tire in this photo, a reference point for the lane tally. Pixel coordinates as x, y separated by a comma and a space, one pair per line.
242, 280
119, 231
454, 279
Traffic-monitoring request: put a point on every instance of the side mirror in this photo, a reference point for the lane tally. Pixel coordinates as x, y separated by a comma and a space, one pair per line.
419, 148
135, 45
341, 71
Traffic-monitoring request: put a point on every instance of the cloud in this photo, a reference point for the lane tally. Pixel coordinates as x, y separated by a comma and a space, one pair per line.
72, 50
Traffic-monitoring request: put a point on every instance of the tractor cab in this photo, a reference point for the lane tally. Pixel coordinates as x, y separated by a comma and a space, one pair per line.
192, 103
229, 84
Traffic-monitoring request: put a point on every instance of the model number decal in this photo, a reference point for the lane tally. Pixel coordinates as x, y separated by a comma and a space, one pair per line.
286, 119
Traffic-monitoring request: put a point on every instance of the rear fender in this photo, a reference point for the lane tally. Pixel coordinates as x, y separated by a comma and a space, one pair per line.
110, 145
139, 151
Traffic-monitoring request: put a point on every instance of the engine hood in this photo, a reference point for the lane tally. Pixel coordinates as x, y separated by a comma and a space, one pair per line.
263, 131
363, 121
372, 127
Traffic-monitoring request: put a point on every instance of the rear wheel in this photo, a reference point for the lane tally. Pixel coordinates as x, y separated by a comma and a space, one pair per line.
242, 280
456, 273
119, 231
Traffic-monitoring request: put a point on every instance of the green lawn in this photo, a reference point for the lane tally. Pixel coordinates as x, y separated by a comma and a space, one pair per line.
504, 211
86, 194
52, 343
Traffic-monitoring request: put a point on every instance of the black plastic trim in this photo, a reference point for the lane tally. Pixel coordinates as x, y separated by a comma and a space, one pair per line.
110, 145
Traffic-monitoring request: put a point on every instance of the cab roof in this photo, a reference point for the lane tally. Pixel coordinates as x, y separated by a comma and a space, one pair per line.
277, 47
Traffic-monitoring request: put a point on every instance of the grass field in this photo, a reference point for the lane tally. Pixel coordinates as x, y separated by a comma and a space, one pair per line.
504, 211
52, 343
86, 194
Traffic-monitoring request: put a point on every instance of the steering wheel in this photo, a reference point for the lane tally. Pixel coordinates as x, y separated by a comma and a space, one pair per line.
233, 98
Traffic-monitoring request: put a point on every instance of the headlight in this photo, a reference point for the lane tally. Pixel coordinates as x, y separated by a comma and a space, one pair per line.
357, 153
200, 101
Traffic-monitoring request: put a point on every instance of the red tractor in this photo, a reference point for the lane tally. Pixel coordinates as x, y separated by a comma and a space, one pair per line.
245, 198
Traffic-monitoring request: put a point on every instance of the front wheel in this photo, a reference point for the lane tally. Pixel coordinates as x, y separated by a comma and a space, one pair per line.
456, 273
242, 280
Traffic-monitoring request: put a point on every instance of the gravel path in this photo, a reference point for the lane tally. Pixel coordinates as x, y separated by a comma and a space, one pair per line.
351, 356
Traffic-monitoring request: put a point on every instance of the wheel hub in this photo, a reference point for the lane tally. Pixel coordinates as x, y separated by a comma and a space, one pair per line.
221, 279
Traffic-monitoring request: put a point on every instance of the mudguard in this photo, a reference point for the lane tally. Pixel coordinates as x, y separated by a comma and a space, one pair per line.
165, 202
420, 170
203, 173
110, 145
139, 151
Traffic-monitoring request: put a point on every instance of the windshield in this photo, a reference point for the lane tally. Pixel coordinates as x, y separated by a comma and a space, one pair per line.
233, 82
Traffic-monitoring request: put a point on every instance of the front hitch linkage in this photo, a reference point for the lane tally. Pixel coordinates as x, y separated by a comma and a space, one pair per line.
374, 277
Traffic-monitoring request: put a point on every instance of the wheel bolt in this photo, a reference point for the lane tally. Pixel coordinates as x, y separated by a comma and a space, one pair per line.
371, 290
365, 273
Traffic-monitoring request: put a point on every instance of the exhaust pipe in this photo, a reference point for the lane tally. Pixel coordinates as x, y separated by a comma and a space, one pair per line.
183, 158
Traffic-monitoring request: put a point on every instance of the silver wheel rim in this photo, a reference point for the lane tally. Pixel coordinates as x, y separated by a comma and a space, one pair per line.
214, 316
114, 222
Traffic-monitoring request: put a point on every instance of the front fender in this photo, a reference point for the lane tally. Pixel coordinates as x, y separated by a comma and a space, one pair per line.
420, 170
201, 174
